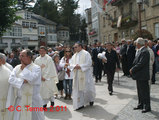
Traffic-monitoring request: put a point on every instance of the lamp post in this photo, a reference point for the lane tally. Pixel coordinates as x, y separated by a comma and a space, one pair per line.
139, 2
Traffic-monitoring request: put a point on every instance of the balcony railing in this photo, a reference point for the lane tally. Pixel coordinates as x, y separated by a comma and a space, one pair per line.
3, 45
117, 2
128, 20
15, 44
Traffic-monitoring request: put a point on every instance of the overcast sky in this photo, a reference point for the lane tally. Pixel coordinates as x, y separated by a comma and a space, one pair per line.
83, 4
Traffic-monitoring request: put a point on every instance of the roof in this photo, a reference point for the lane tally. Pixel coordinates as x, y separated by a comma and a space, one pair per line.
42, 20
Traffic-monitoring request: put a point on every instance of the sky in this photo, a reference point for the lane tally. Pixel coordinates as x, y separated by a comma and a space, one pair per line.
83, 4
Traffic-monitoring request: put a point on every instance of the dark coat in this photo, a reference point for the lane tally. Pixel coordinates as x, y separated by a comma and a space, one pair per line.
112, 60
140, 69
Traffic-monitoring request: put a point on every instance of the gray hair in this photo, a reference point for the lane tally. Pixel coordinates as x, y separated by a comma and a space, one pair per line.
3, 56
140, 41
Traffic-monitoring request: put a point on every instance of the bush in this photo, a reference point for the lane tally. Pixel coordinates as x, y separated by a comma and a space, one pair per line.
144, 34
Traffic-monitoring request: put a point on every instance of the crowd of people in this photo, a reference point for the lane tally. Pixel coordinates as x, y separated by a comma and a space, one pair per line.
35, 78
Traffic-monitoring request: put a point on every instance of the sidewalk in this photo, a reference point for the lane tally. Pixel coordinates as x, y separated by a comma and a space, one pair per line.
106, 107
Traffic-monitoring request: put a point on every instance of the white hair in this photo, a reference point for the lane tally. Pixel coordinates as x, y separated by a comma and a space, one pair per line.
3, 56
140, 41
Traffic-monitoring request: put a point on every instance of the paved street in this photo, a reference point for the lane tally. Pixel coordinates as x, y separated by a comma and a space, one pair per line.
106, 107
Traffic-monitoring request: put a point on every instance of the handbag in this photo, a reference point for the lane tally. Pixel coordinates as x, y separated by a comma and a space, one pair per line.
61, 75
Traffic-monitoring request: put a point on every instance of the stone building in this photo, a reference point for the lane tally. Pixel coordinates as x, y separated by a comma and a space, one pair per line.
120, 19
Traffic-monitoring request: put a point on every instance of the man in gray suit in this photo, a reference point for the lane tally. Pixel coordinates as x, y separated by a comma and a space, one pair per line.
140, 73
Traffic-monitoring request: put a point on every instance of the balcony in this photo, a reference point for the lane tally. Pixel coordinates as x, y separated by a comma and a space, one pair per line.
3, 45
15, 44
128, 20
117, 2
114, 23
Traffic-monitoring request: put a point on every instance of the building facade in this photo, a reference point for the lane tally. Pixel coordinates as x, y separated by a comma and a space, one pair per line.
121, 19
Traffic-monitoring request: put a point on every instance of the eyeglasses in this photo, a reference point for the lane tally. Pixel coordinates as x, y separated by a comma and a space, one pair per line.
68, 51
75, 47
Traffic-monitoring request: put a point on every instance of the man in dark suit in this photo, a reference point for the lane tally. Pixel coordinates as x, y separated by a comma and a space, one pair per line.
130, 55
98, 65
140, 73
110, 65
124, 57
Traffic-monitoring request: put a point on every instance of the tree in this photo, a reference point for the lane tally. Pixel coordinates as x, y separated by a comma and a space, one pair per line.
68, 17
7, 14
47, 9
24, 4
144, 34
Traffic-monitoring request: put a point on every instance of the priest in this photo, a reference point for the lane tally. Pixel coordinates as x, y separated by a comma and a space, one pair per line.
24, 90
83, 84
5, 63
4, 76
49, 77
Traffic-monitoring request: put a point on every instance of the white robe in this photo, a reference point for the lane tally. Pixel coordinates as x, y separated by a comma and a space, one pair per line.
23, 94
48, 87
83, 97
8, 66
4, 76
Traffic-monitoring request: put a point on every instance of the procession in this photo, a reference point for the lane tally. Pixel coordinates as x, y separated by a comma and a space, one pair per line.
79, 59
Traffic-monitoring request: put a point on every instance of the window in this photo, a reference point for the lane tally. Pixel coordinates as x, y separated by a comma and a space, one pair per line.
157, 30
123, 34
144, 28
103, 21
67, 34
130, 7
32, 25
156, 2
25, 24
115, 15
17, 31
14, 31
27, 15
41, 30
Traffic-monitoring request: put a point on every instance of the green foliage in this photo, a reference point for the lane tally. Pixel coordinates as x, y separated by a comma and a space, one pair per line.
7, 14
24, 4
144, 34
47, 9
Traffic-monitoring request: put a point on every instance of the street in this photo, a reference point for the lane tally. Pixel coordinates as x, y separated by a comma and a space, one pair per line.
119, 106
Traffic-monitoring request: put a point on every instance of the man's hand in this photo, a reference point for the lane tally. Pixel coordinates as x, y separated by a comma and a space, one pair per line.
77, 67
66, 65
104, 60
117, 69
42, 66
43, 79
130, 71
25, 81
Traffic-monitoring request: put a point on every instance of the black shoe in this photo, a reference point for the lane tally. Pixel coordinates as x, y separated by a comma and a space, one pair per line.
80, 108
44, 107
139, 107
146, 110
91, 103
52, 104
110, 93
153, 82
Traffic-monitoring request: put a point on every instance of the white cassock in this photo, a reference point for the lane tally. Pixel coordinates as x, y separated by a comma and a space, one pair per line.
48, 87
4, 85
8, 66
25, 94
83, 84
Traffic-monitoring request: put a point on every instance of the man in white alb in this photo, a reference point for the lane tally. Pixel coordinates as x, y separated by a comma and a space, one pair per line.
5, 63
25, 81
83, 84
4, 76
49, 77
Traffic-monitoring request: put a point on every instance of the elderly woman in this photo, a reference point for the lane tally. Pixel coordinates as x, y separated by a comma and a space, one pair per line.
59, 71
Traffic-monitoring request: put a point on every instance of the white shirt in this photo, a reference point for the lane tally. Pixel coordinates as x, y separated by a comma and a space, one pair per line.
62, 64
